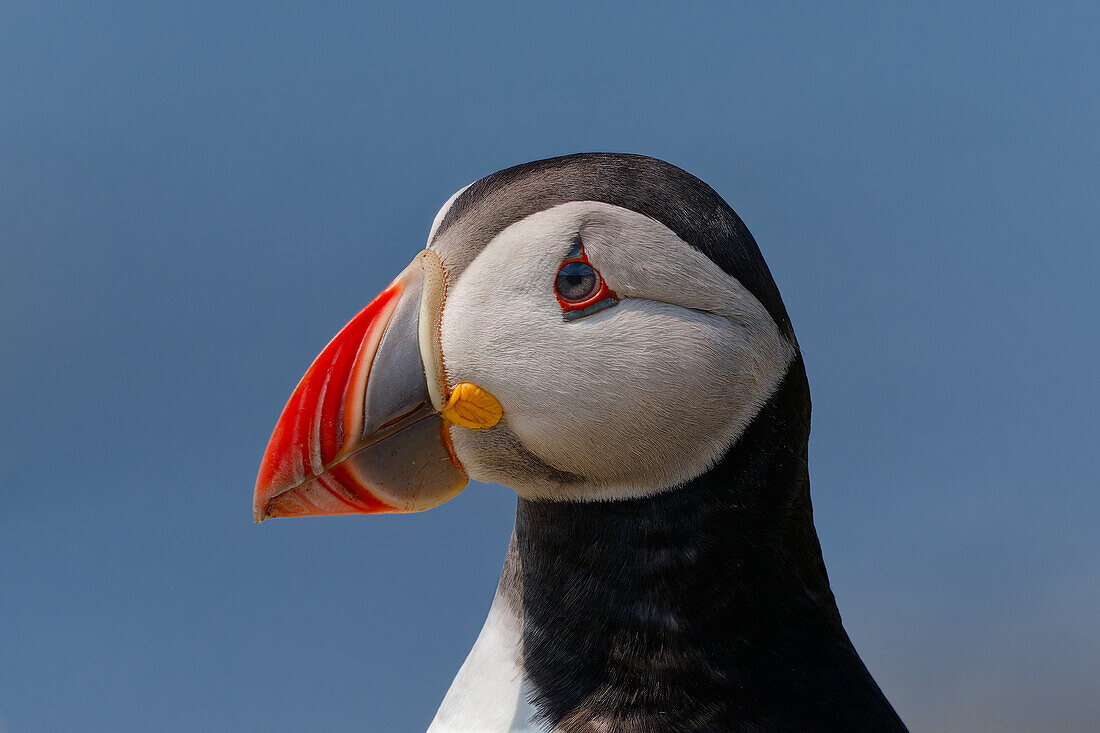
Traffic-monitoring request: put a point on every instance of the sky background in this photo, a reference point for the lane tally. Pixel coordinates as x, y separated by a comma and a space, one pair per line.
195, 197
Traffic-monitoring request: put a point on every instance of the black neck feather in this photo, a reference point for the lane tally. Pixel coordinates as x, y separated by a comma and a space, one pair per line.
704, 608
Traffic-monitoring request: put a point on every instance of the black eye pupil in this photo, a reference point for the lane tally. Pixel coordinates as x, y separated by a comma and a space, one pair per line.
577, 281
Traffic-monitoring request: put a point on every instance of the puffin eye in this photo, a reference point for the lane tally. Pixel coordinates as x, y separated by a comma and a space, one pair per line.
577, 282
579, 288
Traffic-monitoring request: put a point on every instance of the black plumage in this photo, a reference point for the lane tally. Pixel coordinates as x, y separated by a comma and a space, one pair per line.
705, 607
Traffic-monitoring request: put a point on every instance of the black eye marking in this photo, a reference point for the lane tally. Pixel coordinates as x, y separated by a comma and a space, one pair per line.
576, 251
580, 289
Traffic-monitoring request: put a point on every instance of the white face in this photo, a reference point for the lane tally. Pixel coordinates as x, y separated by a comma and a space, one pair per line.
633, 399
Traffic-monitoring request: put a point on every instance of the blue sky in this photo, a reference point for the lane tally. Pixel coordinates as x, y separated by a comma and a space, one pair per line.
194, 197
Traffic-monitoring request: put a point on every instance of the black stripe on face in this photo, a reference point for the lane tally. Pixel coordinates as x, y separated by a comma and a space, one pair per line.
660, 190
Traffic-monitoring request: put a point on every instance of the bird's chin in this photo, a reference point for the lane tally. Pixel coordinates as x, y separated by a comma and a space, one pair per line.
363, 431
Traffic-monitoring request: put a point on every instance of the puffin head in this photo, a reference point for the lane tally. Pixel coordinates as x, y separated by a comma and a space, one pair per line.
584, 328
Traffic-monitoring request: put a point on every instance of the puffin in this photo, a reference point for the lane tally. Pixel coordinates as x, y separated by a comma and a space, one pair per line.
600, 333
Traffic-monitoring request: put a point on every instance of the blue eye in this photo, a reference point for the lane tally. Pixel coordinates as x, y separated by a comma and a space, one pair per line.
577, 282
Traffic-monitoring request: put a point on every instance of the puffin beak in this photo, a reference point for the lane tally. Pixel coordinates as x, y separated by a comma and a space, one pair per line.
364, 431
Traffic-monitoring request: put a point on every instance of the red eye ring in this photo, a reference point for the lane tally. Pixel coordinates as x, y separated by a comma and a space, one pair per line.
601, 296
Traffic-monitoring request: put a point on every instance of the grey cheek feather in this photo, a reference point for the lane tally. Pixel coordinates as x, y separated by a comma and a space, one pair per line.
627, 402
498, 456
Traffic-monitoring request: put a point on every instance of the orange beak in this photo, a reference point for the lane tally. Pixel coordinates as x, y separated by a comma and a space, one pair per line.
360, 434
